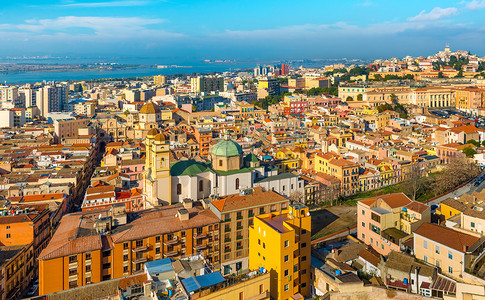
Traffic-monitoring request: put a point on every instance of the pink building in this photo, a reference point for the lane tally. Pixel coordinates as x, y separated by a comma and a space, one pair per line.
379, 222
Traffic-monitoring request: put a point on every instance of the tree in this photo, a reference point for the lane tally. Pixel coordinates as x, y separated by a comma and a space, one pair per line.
469, 151
126, 112
459, 75
416, 184
393, 99
296, 196
483, 143
474, 142
378, 77
458, 171
359, 97
349, 99
440, 75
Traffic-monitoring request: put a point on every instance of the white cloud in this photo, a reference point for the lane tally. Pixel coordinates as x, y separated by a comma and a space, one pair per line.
97, 24
475, 4
435, 14
108, 3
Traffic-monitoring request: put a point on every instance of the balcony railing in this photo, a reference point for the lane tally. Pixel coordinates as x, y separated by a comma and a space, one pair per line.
239, 217
239, 237
227, 240
171, 253
142, 248
227, 250
227, 229
200, 246
173, 241
140, 260
200, 235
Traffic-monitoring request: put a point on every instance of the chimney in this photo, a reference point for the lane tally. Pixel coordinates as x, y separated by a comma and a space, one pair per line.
183, 214
187, 203
205, 203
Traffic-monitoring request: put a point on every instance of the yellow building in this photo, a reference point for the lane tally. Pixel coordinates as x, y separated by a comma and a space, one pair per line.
254, 288
157, 185
451, 207
16, 270
280, 243
160, 80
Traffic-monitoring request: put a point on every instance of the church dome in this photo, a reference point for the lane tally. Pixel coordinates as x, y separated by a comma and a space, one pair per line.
152, 132
227, 148
150, 108
159, 137
188, 167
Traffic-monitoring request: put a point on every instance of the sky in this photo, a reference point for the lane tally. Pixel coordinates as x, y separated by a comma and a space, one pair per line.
240, 30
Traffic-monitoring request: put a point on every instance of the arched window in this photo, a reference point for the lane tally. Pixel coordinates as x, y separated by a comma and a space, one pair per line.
201, 186
237, 183
179, 188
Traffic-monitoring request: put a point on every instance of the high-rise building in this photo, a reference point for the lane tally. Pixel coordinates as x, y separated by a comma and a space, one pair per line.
280, 243
160, 80
9, 97
206, 84
284, 70
51, 99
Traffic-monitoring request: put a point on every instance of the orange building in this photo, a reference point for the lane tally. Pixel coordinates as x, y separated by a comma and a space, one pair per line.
90, 247
204, 138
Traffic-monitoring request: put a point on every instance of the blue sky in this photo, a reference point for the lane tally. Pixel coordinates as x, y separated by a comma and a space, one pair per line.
244, 29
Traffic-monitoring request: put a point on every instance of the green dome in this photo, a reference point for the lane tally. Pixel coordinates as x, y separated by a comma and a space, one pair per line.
227, 148
188, 167
251, 158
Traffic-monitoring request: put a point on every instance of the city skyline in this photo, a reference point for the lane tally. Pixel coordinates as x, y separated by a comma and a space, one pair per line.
198, 30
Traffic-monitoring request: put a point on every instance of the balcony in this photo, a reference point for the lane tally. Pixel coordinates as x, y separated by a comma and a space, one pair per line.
200, 246
227, 229
239, 237
227, 250
142, 248
239, 217
140, 260
171, 253
239, 227
227, 240
200, 235
227, 220
173, 241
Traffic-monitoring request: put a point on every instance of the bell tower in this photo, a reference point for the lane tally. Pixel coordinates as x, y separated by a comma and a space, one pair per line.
157, 186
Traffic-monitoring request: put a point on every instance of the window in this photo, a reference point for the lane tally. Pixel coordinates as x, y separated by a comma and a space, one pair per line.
220, 163
139, 243
438, 263
303, 285
8, 226
125, 269
303, 231
286, 258
106, 253
259, 242
125, 257
303, 272
88, 256
106, 266
72, 259
8, 235
201, 186
382, 246
125, 245
287, 287
88, 268
363, 212
303, 258
237, 183
363, 224
261, 210
287, 244
295, 268
371, 240
264, 246
437, 249
286, 273
179, 188
450, 255
425, 244
425, 258
450, 269
472, 224
303, 245
157, 239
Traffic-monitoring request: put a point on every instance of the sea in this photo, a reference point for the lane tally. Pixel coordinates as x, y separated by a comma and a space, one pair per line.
147, 67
